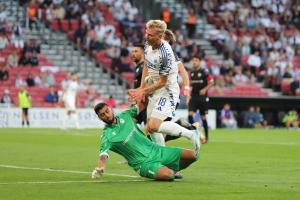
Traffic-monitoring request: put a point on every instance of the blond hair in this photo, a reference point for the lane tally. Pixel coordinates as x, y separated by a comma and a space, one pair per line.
169, 36
159, 26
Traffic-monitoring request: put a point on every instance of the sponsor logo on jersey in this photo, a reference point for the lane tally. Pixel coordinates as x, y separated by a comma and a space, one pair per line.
151, 172
173, 114
129, 136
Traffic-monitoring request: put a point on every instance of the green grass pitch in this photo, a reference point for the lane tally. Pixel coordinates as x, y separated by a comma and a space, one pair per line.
50, 164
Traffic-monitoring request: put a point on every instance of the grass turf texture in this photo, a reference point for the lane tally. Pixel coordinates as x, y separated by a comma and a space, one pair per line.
240, 164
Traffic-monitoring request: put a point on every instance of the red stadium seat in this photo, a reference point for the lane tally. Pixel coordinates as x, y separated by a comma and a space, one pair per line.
74, 24
54, 25
65, 25
129, 76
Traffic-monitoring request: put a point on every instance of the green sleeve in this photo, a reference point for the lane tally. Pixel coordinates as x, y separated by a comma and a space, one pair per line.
133, 111
105, 144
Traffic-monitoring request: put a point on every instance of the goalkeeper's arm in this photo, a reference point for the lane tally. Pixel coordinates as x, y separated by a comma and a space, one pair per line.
99, 170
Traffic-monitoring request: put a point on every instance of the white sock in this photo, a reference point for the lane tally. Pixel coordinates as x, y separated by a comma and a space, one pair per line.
173, 129
75, 119
158, 139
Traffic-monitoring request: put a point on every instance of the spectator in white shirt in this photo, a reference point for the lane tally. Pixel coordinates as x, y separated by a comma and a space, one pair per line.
3, 41
3, 14
240, 77
17, 35
49, 79
20, 82
254, 61
12, 60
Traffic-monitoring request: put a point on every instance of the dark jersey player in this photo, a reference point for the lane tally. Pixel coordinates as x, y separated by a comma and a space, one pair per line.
201, 81
137, 56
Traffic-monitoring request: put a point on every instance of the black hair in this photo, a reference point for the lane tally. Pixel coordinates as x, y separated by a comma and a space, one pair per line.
140, 45
99, 106
198, 57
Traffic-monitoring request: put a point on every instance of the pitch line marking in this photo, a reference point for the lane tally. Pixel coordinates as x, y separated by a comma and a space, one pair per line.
249, 142
64, 182
63, 171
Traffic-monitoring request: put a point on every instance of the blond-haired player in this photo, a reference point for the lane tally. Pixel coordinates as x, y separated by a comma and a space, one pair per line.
163, 94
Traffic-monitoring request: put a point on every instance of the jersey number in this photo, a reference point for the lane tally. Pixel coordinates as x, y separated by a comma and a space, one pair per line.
162, 101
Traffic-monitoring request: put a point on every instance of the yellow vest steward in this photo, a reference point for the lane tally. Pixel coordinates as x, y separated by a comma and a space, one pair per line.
24, 101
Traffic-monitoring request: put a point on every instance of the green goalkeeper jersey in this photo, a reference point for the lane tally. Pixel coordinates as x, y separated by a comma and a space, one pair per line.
125, 138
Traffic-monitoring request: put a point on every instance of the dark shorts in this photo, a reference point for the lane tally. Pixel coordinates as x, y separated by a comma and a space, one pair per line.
199, 103
25, 111
142, 117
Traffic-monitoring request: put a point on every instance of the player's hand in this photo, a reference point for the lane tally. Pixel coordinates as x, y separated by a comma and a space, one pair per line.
145, 99
131, 96
131, 92
137, 94
97, 172
202, 92
140, 95
131, 100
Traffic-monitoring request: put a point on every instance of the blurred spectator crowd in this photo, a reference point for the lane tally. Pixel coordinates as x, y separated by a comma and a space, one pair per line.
260, 41
255, 118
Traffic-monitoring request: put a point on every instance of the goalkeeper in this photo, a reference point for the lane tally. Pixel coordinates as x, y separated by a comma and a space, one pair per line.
122, 136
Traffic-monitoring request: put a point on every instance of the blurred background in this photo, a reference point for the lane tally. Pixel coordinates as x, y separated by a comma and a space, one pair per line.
251, 47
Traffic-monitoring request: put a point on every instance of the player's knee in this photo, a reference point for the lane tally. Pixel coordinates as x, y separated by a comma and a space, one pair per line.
152, 127
166, 175
190, 155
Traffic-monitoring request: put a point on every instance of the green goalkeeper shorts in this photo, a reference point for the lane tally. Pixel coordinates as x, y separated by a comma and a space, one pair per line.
168, 157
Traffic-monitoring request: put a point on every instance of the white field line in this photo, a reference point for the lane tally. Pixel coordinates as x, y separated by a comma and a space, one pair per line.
65, 182
63, 171
252, 142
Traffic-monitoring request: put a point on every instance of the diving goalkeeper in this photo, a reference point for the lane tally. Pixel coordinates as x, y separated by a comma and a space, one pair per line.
122, 136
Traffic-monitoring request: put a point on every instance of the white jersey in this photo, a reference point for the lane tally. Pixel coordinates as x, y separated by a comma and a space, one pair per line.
70, 94
161, 61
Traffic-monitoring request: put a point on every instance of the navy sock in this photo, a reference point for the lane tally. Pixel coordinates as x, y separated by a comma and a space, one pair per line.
204, 122
191, 119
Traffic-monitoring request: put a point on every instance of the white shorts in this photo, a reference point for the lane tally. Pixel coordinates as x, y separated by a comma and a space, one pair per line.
162, 104
70, 104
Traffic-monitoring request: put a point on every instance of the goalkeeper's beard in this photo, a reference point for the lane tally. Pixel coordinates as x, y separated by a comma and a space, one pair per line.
110, 121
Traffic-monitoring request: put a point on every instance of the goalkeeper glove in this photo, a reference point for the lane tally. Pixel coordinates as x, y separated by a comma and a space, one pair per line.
97, 172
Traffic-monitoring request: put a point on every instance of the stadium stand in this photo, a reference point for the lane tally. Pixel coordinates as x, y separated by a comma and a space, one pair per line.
95, 39
260, 31
55, 47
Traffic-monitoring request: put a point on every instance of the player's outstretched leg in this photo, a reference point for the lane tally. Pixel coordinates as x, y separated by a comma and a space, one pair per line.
174, 129
171, 128
202, 136
182, 123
